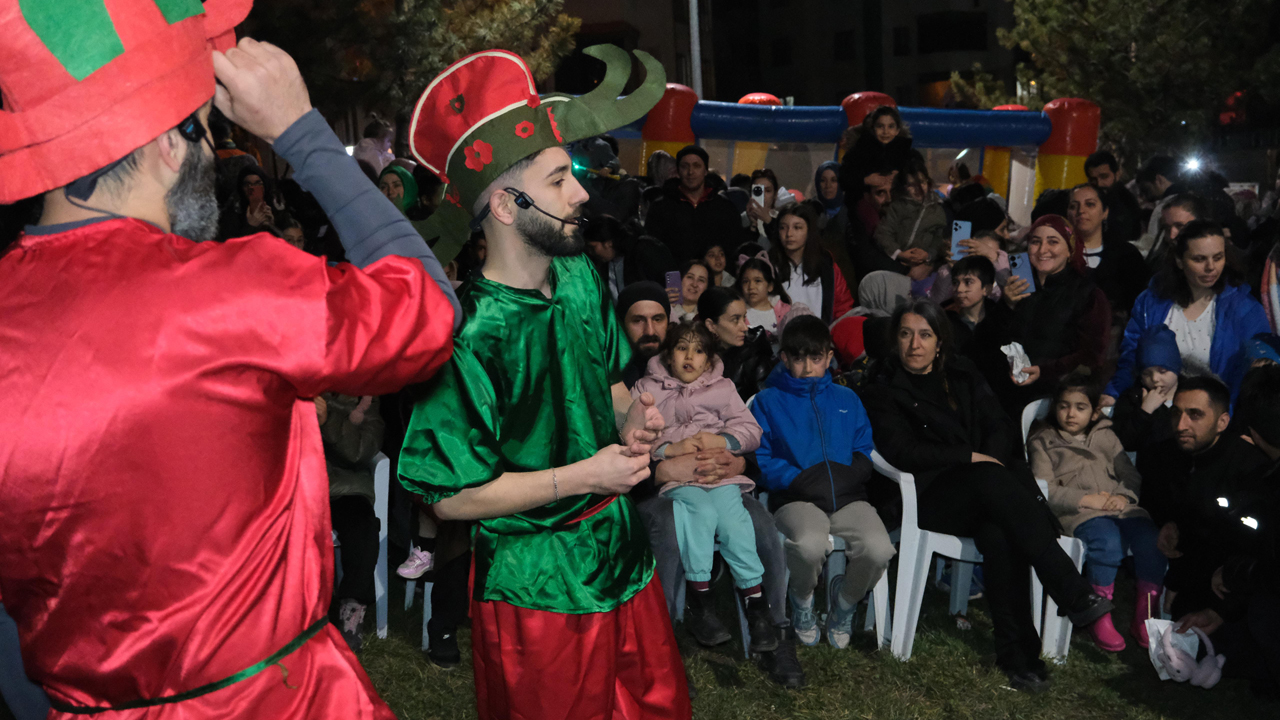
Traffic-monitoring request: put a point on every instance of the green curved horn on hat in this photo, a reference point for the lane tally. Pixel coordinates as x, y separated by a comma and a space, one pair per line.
601, 110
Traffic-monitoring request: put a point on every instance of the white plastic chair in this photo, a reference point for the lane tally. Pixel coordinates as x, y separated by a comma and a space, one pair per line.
877, 613
381, 492
916, 548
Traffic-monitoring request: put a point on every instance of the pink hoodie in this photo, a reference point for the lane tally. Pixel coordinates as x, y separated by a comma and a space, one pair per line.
708, 404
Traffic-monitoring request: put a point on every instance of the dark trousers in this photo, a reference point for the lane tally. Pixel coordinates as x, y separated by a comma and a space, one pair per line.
25, 699
449, 603
660, 520
357, 527
1252, 644
1014, 531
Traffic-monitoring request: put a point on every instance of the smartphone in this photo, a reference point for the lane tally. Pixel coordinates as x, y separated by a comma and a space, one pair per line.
960, 230
1020, 264
757, 194
673, 287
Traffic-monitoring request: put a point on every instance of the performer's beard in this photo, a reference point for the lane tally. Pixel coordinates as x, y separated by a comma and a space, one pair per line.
548, 236
192, 203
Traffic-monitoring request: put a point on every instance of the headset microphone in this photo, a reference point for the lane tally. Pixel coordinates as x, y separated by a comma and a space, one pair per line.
524, 202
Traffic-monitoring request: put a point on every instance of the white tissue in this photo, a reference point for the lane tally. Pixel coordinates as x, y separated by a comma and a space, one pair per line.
1018, 360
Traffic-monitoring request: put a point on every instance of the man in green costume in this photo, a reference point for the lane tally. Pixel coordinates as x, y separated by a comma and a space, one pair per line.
528, 430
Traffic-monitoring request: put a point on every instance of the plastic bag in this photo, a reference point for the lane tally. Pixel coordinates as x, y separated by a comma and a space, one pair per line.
1018, 361
1186, 642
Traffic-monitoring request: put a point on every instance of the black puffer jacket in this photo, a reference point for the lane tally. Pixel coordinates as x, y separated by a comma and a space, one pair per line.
917, 430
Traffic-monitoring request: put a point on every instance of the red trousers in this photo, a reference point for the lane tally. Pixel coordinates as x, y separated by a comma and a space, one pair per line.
538, 665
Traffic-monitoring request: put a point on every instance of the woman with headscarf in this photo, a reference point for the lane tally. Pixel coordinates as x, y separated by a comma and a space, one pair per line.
833, 218
862, 330
1065, 322
398, 185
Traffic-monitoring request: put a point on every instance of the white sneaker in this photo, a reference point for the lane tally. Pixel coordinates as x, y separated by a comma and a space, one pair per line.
417, 565
803, 621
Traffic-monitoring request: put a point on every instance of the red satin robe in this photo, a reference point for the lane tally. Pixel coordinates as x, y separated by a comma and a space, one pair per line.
164, 517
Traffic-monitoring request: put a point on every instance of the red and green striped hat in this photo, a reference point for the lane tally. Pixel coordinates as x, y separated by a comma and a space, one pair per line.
86, 83
483, 114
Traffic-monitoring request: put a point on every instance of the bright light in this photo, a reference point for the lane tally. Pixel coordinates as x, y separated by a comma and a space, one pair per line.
1193, 164
1249, 522
351, 149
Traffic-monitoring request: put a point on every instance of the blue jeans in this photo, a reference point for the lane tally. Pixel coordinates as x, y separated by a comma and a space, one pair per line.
701, 516
1107, 540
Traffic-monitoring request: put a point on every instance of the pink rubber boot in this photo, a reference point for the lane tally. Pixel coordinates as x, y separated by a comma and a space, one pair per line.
1147, 605
1104, 632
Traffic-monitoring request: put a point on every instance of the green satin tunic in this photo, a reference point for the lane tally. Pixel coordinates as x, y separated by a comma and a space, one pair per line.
528, 388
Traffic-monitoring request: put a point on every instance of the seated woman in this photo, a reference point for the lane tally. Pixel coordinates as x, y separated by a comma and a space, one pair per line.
746, 352
1064, 323
807, 272
933, 415
1200, 294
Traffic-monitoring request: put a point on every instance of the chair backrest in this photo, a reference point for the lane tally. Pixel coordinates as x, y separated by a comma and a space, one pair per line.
1035, 410
906, 485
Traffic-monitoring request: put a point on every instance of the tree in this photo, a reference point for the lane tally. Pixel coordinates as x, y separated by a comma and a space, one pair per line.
381, 54
1159, 69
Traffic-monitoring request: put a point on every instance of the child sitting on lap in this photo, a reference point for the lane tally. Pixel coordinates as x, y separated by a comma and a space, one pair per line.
1093, 489
703, 411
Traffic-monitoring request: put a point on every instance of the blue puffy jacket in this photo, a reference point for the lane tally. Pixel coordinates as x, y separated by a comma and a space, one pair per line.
816, 445
1237, 317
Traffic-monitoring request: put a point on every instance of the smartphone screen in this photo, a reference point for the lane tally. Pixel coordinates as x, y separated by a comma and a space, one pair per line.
960, 230
673, 287
1020, 264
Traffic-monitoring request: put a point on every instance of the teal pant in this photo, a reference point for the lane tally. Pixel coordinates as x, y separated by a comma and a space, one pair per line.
703, 514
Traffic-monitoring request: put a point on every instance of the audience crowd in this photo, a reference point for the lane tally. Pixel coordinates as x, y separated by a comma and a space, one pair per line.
786, 339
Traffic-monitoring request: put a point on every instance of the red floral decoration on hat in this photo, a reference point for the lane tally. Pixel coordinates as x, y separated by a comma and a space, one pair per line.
479, 155
525, 129
555, 129
453, 196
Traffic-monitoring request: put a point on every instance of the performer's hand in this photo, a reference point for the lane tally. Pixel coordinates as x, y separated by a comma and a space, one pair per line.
643, 425
260, 88
613, 471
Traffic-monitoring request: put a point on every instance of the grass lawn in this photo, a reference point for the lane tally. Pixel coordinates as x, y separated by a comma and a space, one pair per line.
944, 679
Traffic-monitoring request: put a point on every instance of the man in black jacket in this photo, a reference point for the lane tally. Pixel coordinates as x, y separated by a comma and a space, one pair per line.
691, 214
1245, 600
621, 257
1187, 480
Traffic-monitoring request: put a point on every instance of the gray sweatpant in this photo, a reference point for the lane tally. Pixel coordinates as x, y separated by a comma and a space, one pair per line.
807, 530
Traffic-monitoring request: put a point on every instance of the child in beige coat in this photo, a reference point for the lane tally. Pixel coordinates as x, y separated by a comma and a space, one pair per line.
1093, 489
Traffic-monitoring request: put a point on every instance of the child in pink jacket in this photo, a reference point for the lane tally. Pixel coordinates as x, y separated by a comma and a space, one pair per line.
703, 411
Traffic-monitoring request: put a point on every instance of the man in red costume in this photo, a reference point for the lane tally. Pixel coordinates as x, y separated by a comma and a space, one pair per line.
165, 541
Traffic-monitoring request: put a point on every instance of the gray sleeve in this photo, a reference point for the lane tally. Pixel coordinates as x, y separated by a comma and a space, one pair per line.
369, 226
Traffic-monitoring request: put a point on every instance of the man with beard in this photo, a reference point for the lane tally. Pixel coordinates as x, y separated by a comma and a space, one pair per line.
1190, 482
529, 430
644, 310
166, 541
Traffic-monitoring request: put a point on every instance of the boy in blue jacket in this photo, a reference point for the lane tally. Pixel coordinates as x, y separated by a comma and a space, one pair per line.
815, 457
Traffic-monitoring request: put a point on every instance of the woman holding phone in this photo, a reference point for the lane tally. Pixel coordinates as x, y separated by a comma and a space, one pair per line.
1064, 321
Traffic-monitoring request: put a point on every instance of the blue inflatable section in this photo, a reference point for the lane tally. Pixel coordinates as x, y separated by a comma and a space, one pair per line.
930, 127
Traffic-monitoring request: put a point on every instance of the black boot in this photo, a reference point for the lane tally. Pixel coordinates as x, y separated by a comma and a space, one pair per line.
764, 636
701, 621
1088, 610
442, 648
782, 666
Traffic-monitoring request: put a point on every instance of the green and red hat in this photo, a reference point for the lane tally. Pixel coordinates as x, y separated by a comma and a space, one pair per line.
86, 83
483, 114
